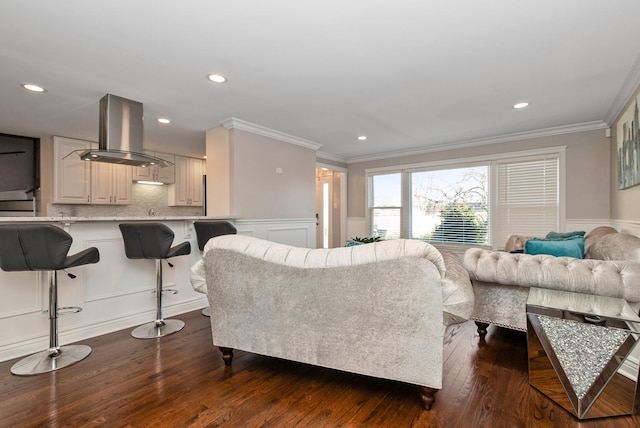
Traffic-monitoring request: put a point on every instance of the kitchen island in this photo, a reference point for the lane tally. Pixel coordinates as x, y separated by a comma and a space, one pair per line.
114, 294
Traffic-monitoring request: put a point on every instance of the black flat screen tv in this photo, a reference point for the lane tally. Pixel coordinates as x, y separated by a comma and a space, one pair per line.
19, 164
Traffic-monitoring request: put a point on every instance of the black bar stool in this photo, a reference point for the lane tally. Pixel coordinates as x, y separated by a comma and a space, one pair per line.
44, 247
153, 241
207, 229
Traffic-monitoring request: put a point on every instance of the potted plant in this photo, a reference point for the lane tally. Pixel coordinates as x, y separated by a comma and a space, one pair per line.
359, 241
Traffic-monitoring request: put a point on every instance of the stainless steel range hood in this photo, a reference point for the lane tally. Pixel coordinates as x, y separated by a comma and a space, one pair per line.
121, 132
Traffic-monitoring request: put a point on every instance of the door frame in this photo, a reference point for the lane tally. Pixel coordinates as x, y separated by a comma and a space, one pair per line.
343, 199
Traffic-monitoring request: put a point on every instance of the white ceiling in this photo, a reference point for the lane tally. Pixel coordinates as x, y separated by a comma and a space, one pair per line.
411, 75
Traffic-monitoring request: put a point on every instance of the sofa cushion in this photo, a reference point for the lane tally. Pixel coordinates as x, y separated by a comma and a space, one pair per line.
594, 235
457, 293
573, 247
615, 246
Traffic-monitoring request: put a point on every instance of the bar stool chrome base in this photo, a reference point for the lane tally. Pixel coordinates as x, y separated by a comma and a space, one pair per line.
156, 329
206, 311
44, 361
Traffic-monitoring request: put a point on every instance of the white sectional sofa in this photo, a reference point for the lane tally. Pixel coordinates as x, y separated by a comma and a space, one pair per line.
378, 309
501, 280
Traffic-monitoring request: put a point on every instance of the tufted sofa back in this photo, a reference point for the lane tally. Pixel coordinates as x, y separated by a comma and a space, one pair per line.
613, 278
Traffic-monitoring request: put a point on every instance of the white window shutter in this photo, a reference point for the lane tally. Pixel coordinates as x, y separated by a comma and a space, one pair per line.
528, 200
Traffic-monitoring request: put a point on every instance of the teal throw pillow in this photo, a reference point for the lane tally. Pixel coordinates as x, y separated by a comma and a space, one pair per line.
573, 247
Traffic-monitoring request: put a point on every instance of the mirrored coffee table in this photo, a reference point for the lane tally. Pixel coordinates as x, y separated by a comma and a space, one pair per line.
579, 347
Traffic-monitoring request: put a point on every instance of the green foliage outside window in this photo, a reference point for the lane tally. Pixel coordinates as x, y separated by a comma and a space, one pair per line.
459, 224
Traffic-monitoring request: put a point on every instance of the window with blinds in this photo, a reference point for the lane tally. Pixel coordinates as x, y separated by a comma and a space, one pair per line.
475, 201
385, 205
528, 199
450, 205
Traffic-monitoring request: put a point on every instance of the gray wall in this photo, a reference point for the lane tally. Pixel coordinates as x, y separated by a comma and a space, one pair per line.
587, 160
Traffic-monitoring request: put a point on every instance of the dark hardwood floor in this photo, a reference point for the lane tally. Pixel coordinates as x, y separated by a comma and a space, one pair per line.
181, 381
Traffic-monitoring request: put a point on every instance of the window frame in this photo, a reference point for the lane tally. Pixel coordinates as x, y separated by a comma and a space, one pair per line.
371, 207
486, 160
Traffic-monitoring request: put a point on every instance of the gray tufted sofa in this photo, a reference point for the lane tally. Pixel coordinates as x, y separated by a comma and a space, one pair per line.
377, 309
501, 280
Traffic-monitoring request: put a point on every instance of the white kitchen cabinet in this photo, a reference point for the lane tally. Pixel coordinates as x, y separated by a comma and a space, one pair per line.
155, 173
110, 184
71, 175
187, 190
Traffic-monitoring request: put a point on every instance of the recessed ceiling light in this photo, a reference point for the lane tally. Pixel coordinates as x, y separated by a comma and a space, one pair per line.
521, 105
33, 88
217, 78
362, 137
163, 120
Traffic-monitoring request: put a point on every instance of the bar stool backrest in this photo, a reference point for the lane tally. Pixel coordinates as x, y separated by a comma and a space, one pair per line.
25, 247
146, 240
207, 229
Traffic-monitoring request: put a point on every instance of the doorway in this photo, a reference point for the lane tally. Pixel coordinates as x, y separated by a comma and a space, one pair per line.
331, 216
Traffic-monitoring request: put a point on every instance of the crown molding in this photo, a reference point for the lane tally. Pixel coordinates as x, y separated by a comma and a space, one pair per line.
548, 132
331, 157
235, 123
628, 88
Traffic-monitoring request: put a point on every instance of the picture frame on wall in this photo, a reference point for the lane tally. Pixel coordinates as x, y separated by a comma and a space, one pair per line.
628, 147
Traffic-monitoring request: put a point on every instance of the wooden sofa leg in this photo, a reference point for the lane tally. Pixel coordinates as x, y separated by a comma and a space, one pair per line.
427, 395
482, 328
227, 355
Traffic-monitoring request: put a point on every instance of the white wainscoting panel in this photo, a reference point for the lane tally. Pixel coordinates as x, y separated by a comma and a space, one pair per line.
295, 232
125, 276
116, 293
587, 225
357, 226
21, 292
626, 226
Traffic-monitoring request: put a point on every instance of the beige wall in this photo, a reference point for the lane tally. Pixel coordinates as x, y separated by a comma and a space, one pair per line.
219, 166
587, 160
254, 189
625, 204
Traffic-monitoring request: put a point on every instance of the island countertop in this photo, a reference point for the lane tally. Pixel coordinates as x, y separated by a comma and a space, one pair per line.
117, 292
66, 219
114, 293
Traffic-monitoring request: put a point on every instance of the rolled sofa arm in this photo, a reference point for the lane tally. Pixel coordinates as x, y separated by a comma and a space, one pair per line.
198, 277
613, 278
457, 292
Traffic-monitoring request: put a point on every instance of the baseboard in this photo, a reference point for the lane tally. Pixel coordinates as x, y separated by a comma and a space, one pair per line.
36, 344
630, 368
